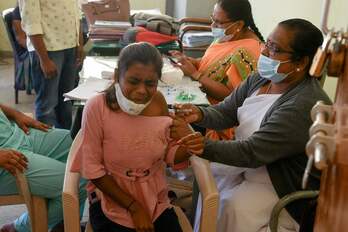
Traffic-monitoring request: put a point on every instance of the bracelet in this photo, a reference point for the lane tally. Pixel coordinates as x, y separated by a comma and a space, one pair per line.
130, 204
197, 75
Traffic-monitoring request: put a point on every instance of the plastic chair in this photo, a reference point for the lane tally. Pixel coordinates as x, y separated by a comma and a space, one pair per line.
22, 75
202, 172
36, 206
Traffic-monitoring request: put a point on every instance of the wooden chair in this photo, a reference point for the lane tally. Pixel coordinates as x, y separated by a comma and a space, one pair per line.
36, 206
202, 172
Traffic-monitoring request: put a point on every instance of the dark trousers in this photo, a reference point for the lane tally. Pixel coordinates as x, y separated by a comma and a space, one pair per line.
167, 221
50, 106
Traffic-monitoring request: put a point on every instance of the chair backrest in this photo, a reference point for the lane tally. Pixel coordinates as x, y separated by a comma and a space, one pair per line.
36, 206
210, 194
71, 191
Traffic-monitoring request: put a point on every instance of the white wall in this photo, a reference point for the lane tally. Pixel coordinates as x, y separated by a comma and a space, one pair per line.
267, 13
192, 8
148, 4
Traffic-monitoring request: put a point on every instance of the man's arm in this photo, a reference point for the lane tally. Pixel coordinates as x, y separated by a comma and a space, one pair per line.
48, 67
20, 35
79, 49
23, 121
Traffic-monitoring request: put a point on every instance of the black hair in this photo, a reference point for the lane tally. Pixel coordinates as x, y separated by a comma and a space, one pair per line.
143, 53
306, 40
240, 10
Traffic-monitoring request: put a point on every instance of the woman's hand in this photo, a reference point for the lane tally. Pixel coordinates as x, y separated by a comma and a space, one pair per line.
11, 160
25, 122
141, 219
178, 54
194, 143
189, 112
186, 64
179, 128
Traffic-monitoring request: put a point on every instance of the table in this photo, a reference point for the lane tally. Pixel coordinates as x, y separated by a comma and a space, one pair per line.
97, 72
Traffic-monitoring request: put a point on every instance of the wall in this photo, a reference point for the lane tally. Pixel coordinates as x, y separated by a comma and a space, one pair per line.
192, 8
4, 43
148, 4
135, 4
268, 13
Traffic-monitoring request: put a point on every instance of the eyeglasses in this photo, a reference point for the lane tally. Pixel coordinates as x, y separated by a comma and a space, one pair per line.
273, 49
217, 22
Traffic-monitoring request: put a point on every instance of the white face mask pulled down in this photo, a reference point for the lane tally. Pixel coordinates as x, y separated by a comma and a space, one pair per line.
127, 105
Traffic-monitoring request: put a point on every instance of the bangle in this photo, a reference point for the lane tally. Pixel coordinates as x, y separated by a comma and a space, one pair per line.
130, 204
197, 75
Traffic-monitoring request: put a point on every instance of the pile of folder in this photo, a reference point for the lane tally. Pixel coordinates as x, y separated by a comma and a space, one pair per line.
197, 38
107, 19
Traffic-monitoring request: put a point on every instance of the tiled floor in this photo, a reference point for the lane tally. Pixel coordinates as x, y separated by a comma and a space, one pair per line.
7, 90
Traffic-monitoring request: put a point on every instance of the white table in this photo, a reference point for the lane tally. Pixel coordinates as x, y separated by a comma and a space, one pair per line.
96, 76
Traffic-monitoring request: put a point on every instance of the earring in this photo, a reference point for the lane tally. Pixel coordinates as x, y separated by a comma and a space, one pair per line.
298, 69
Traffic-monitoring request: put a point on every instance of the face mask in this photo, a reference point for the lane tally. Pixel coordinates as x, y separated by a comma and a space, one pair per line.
218, 32
127, 105
268, 69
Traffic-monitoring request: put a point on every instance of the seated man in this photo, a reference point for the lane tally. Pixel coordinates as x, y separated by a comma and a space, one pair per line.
39, 152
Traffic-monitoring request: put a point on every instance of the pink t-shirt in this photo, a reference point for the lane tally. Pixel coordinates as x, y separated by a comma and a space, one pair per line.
134, 150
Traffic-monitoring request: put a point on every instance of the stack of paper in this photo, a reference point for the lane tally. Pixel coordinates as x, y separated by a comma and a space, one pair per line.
113, 24
88, 89
197, 39
96, 76
98, 67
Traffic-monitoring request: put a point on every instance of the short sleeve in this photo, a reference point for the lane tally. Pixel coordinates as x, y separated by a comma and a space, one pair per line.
234, 78
243, 64
31, 16
89, 157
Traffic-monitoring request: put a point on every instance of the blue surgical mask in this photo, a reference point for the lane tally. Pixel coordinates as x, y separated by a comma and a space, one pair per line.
219, 32
268, 69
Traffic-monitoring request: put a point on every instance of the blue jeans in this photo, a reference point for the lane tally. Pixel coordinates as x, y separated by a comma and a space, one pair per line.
50, 107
